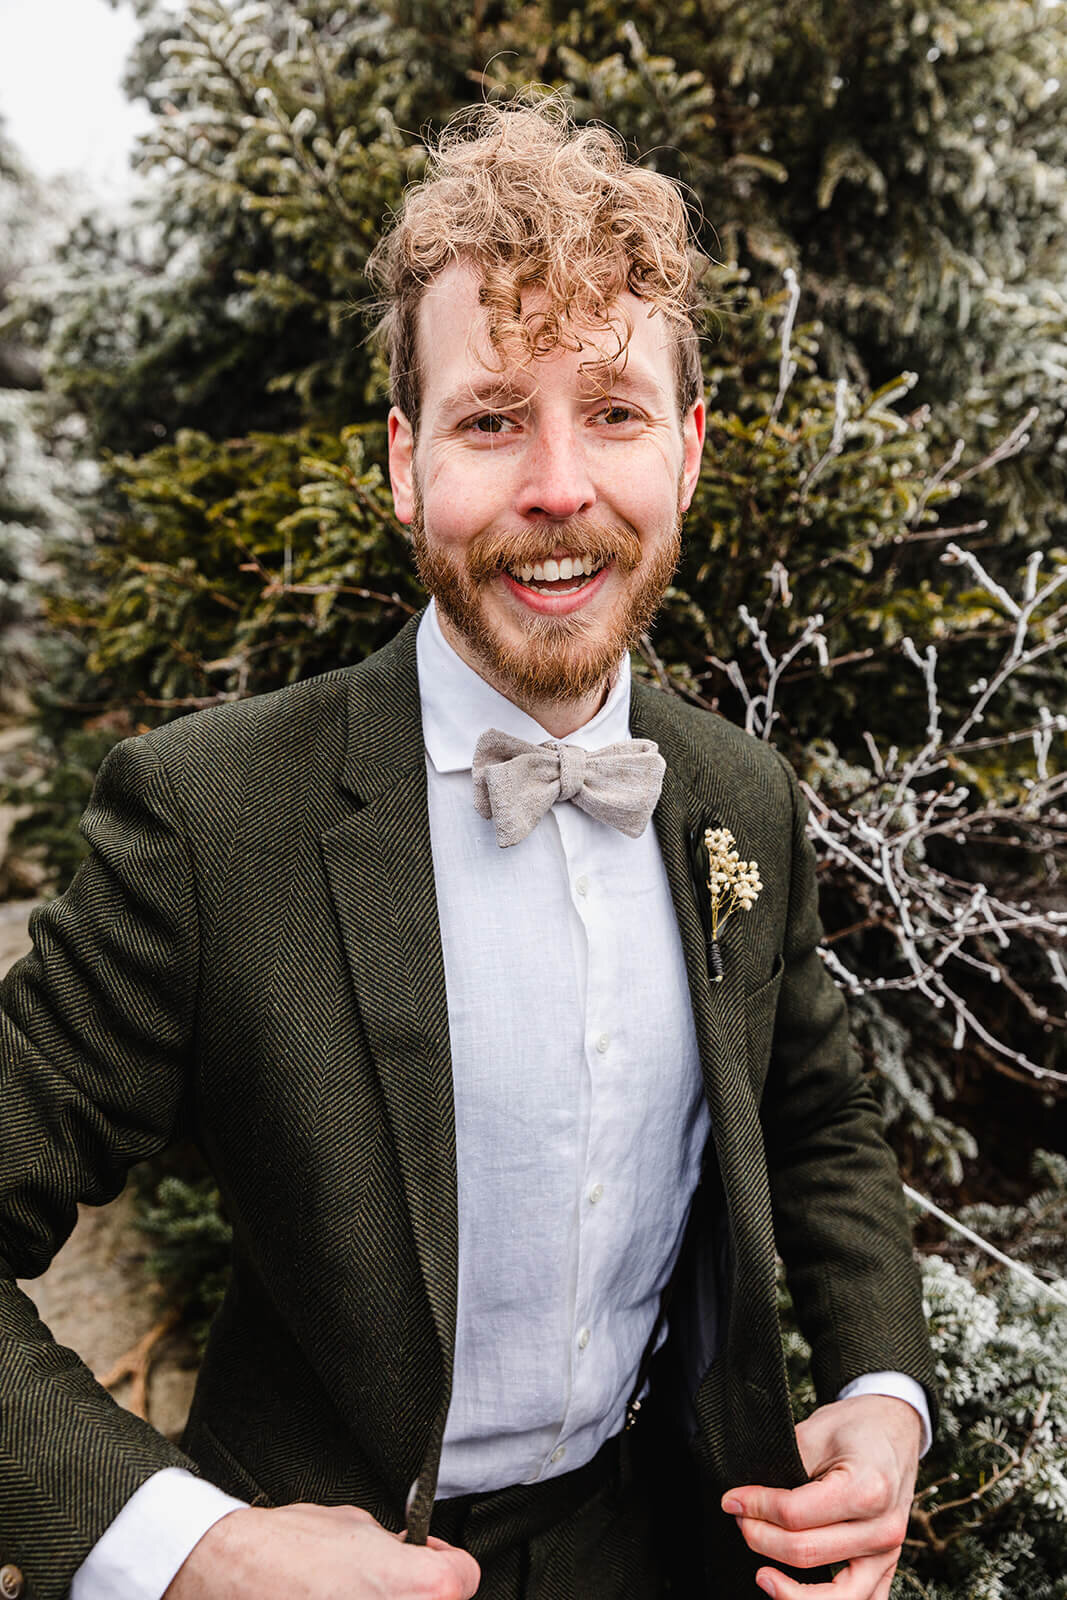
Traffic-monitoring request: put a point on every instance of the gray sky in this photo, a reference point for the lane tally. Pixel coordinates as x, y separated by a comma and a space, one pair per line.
60, 69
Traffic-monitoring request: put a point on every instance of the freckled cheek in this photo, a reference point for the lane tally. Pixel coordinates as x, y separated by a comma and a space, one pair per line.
457, 506
643, 506
645, 488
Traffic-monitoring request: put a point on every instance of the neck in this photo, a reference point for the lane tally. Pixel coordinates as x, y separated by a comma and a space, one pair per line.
560, 718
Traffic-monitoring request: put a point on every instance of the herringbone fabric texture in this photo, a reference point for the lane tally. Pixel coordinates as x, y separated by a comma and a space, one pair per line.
252, 952
586, 1536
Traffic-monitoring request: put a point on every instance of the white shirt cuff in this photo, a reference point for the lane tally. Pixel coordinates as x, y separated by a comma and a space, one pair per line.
139, 1553
900, 1387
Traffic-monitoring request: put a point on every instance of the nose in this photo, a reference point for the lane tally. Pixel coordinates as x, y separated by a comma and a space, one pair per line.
555, 482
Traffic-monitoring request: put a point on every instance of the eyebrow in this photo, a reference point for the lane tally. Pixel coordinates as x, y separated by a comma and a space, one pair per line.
493, 393
488, 393
609, 377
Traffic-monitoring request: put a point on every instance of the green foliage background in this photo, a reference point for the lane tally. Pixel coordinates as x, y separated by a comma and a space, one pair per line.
908, 163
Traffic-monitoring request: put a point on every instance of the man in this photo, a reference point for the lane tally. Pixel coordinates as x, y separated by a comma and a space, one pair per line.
506, 1166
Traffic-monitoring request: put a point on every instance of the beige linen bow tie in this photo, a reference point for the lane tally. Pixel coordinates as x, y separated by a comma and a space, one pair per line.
515, 783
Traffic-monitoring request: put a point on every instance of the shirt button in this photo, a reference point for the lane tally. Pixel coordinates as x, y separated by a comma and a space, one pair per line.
558, 1453
12, 1582
602, 1043
582, 885
583, 1338
596, 1193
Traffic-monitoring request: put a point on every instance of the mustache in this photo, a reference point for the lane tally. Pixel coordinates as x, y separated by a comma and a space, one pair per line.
489, 553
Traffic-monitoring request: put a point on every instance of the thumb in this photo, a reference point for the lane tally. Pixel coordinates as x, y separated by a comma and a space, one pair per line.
813, 1505
465, 1571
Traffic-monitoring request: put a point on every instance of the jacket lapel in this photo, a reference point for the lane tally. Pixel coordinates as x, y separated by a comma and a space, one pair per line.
749, 1364
718, 1009
380, 869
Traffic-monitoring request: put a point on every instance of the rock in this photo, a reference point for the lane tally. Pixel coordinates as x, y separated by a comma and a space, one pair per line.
22, 873
14, 931
95, 1296
96, 1299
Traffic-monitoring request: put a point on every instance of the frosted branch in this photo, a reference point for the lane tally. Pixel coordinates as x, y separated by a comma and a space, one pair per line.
837, 437
1051, 1291
787, 367
874, 835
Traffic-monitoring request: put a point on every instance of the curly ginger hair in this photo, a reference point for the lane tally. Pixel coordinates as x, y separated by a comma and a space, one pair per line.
531, 199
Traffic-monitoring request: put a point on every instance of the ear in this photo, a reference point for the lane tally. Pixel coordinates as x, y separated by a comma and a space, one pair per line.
401, 464
693, 441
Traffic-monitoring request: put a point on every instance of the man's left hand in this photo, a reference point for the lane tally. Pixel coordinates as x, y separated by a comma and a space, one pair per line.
862, 1455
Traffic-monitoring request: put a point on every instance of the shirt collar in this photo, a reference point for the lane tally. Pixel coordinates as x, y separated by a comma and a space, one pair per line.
458, 705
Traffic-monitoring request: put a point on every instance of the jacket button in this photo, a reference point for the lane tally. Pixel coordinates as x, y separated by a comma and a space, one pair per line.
11, 1583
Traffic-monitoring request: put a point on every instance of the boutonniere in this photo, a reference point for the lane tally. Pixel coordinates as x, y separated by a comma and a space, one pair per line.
725, 884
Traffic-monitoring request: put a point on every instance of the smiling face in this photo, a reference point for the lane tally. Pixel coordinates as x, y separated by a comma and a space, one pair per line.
545, 500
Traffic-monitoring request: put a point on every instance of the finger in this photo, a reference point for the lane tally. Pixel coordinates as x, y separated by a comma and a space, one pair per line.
838, 1496
464, 1570
432, 1542
817, 1547
860, 1580
349, 1513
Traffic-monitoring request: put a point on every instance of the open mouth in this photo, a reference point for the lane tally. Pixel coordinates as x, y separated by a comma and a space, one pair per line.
568, 575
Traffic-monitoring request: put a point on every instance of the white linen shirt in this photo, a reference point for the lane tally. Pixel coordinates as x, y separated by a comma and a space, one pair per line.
580, 1114
580, 1123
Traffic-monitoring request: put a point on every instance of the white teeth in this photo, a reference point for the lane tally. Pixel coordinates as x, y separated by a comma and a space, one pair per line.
556, 571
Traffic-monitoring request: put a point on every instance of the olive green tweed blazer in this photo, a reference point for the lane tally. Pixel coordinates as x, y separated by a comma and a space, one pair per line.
251, 951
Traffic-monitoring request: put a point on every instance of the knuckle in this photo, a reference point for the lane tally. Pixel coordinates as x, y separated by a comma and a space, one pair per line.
897, 1529
756, 1537
792, 1516
807, 1554
445, 1587
871, 1495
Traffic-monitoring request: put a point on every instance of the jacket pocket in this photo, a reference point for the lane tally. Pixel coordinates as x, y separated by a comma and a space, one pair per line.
761, 1007
221, 1466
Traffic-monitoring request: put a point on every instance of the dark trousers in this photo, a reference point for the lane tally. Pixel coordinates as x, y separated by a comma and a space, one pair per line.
588, 1535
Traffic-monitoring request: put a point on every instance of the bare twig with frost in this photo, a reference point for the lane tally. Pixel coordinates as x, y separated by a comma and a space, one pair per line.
875, 836
838, 434
760, 714
787, 367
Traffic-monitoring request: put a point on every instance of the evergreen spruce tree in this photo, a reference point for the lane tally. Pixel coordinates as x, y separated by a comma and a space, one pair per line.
34, 511
881, 191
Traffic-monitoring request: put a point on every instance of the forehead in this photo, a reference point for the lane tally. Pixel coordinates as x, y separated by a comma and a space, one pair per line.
456, 354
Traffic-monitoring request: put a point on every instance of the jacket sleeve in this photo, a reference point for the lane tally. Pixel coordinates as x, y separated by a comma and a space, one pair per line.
840, 1222
96, 1028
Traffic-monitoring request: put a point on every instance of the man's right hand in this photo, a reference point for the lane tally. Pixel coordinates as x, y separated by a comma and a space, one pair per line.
308, 1552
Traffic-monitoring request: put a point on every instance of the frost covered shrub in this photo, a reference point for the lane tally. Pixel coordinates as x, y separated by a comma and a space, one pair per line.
989, 1519
990, 1516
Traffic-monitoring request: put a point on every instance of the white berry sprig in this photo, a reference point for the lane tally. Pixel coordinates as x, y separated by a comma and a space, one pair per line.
733, 885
